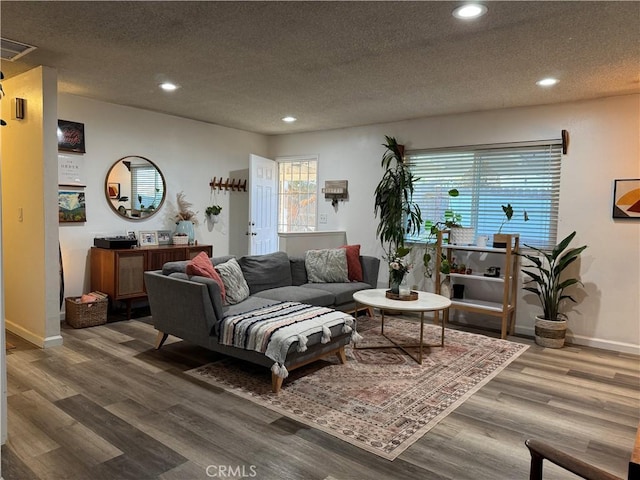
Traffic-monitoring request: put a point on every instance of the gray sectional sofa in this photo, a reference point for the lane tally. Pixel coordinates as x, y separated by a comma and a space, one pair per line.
191, 307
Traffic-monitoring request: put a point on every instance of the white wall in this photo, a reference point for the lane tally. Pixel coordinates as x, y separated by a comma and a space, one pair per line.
604, 145
188, 153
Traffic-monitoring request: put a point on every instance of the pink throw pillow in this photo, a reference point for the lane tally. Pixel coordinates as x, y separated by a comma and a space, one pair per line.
354, 267
201, 265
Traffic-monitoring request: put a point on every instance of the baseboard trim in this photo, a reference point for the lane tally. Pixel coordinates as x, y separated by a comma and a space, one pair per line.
37, 340
622, 347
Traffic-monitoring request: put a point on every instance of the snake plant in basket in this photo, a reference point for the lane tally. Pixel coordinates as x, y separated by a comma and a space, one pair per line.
545, 281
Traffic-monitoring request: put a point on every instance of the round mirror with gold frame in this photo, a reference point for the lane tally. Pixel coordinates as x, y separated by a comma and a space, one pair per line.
135, 187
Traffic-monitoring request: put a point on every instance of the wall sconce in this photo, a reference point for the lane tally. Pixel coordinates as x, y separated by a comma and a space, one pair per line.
19, 108
336, 190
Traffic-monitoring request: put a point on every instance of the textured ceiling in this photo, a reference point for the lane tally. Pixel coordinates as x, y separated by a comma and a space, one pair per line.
330, 64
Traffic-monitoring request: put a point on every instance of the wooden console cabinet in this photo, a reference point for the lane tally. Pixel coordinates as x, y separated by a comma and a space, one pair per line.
120, 272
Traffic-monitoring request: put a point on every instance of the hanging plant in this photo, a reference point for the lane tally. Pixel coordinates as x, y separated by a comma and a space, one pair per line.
213, 210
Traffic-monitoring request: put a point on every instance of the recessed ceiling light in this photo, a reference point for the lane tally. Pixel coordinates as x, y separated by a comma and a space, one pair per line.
547, 82
469, 11
168, 86
289, 119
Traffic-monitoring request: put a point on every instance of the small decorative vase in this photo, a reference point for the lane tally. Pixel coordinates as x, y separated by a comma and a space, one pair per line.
445, 287
185, 226
404, 289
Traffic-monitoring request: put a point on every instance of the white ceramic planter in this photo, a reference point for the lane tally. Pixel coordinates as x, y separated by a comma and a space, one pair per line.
462, 235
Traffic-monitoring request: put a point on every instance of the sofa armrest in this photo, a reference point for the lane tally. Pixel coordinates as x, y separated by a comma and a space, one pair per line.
370, 270
181, 307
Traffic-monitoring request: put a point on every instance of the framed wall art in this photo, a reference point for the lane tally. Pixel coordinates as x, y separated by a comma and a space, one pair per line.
148, 238
71, 207
71, 171
114, 190
626, 198
70, 136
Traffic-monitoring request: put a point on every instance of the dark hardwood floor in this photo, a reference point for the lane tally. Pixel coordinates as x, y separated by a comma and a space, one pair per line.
106, 405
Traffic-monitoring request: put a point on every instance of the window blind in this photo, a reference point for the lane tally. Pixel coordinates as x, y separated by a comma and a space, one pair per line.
146, 187
525, 175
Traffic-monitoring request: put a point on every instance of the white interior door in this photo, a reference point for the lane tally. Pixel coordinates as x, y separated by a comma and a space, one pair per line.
263, 205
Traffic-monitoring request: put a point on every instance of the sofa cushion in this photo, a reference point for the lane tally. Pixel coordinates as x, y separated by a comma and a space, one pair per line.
298, 271
201, 265
234, 283
266, 271
343, 292
310, 296
327, 265
354, 267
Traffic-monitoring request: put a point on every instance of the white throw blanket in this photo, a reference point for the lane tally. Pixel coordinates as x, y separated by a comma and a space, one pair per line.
271, 330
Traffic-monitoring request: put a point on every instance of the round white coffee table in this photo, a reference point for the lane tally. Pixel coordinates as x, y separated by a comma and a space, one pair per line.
426, 302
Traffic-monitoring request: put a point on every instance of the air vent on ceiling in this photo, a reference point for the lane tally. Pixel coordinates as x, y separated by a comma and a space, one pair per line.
12, 50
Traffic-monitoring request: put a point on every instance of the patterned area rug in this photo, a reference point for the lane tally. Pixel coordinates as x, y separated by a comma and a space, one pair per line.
381, 400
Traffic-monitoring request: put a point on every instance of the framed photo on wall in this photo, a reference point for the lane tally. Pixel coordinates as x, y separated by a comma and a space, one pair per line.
626, 198
148, 238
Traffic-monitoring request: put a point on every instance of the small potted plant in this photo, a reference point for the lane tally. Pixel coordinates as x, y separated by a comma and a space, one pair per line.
500, 239
212, 213
453, 221
545, 281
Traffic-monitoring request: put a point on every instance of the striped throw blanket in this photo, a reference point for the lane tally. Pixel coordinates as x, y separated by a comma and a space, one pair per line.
271, 330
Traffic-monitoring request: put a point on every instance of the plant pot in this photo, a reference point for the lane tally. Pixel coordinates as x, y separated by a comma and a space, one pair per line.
458, 290
500, 240
550, 333
185, 226
214, 218
462, 235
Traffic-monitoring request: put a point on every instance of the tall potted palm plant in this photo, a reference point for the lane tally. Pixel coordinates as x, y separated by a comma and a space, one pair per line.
393, 205
547, 282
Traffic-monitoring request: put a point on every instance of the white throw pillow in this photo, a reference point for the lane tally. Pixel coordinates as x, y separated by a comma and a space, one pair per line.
327, 266
235, 285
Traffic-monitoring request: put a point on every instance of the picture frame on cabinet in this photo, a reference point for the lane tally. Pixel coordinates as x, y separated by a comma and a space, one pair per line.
164, 237
148, 238
626, 198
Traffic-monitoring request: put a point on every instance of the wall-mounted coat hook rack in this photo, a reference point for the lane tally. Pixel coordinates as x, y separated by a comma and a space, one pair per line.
228, 184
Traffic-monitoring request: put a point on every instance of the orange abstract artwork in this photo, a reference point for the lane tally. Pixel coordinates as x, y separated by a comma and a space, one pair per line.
626, 203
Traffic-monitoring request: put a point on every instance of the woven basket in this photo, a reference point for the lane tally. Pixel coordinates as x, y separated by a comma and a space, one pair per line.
180, 240
89, 314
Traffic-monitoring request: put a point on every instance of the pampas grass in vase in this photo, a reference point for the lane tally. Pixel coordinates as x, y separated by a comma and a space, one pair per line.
186, 217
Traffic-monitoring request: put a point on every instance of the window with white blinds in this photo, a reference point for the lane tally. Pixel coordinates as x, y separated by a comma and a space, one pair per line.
526, 175
146, 186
